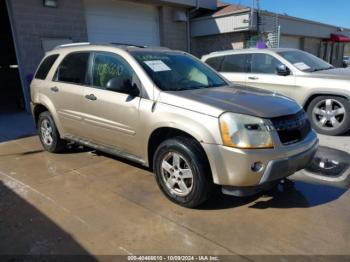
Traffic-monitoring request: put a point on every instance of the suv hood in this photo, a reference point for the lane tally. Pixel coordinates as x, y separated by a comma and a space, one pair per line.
337, 73
236, 99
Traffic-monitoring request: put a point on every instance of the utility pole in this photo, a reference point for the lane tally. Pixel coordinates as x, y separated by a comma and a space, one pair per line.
255, 20
258, 18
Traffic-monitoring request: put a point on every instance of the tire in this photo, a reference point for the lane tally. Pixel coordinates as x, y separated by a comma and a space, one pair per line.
191, 157
322, 119
50, 140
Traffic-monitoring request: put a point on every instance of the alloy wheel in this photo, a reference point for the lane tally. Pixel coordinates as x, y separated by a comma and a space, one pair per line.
329, 114
177, 174
46, 132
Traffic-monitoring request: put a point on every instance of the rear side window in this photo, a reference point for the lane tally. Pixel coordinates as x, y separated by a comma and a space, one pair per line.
215, 62
73, 69
45, 67
235, 64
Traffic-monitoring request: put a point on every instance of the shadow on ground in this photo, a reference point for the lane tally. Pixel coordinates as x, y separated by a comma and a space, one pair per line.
25, 231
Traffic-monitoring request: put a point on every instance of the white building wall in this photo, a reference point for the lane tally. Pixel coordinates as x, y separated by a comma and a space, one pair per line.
220, 25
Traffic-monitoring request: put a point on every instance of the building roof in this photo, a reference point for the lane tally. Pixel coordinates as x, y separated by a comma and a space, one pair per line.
222, 9
221, 20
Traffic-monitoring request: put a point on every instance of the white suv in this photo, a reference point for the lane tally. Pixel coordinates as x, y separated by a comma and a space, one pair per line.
323, 91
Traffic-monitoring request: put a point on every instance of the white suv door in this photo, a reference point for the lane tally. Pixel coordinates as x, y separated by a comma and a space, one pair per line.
263, 74
234, 68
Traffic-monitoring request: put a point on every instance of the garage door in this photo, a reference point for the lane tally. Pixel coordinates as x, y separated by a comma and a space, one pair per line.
290, 42
114, 21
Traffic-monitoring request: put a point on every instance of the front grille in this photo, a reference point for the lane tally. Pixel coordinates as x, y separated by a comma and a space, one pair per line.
292, 128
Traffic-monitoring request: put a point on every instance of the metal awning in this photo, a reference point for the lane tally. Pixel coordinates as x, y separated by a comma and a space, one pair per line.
339, 38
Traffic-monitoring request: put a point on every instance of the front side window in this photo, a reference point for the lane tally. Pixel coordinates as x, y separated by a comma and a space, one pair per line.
45, 67
73, 69
264, 64
174, 71
235, 64
304, 61
111, 72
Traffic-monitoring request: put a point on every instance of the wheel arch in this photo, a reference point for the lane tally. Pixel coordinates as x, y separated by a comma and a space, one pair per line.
313, 96
161, 134
37, 110
45, 104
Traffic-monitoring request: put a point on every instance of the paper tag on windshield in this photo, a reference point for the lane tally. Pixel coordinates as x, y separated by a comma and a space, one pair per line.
302, 66
157, 65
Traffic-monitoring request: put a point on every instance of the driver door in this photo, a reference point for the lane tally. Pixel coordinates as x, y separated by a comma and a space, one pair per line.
112, 115
263, 75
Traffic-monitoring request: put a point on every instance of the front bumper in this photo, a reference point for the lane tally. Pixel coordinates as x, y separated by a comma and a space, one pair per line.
233, 167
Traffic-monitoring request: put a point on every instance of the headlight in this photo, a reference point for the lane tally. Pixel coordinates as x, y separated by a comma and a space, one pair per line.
243, 131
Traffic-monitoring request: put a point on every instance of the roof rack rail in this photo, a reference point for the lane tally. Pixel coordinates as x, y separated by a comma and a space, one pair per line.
72, 44
127, 44
124, 45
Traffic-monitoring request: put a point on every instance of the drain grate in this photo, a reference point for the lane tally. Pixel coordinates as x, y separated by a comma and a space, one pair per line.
329, 162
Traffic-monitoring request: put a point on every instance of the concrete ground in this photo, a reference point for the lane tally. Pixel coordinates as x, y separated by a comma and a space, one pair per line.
82, 202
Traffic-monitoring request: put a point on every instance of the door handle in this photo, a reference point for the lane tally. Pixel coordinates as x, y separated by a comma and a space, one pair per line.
91, 97
253, 77
54, 89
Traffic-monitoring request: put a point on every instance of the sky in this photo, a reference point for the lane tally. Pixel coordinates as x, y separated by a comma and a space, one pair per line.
334, 12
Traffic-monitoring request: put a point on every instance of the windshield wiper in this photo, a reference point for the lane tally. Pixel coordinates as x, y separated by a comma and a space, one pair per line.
217, 85
322, 69
198, 87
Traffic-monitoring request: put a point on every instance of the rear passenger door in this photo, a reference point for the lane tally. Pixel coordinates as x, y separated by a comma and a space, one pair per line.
263, 75
234, 68
67, 90
112, 117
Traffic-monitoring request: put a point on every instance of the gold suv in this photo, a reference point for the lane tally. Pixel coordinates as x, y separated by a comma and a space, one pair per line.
169, 111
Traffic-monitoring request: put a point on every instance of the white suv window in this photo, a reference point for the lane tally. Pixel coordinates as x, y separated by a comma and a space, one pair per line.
235, 63
215, 62
264, 64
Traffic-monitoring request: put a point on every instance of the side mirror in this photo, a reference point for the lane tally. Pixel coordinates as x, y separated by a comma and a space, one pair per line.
282, 70
134, 91
121, 85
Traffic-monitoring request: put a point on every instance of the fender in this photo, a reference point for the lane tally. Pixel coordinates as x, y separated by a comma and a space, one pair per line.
203, 128
42, 99
307, 99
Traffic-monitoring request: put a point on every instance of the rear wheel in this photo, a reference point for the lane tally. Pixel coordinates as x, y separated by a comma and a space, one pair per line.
182, 172
329, 115
48, 134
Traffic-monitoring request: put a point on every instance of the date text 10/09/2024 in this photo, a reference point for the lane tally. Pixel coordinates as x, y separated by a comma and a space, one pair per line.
173, 258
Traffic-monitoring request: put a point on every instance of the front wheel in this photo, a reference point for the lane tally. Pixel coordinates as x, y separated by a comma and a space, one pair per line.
329, 115
182, 172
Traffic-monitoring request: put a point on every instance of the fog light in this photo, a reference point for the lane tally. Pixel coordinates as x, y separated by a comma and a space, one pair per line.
257, 167
50, 3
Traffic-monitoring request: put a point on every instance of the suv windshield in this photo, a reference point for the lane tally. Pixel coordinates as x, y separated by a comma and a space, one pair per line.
175, 71
304, 61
